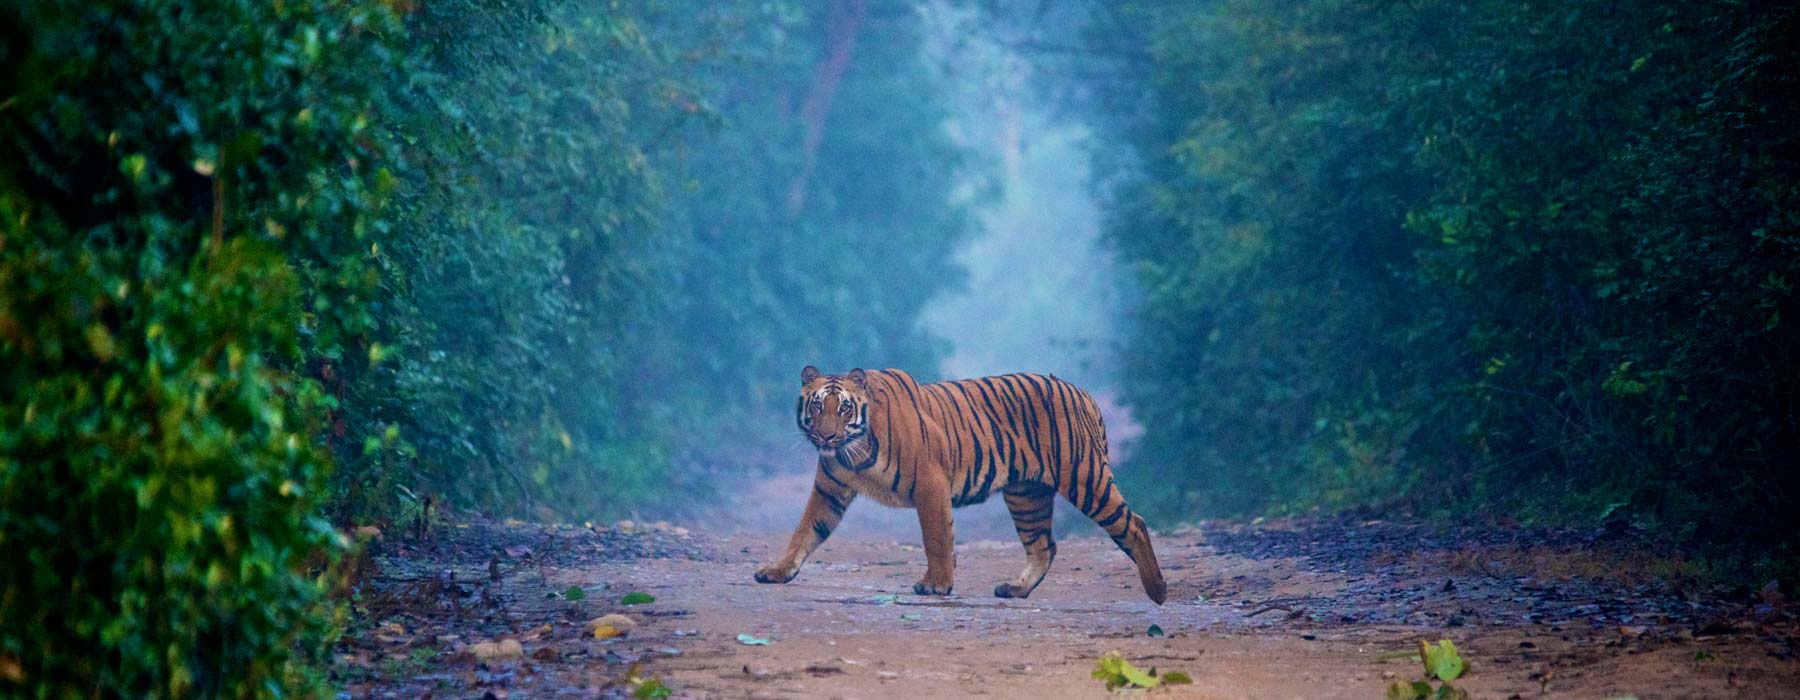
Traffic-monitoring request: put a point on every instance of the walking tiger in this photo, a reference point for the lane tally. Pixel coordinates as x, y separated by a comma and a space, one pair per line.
938, 446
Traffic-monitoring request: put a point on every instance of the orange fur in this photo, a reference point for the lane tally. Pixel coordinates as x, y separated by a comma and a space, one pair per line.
933, 447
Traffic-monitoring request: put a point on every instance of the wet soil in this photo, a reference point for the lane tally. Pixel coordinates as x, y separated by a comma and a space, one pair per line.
1284, 610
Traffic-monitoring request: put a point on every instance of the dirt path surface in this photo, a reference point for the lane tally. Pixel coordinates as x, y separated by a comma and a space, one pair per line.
1322, 610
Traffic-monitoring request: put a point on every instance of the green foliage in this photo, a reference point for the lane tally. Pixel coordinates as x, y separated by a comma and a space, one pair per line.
794, 253
1421, 690
1441, 660
1119, 673
183, 189
516, 271
1453, 256
593, 283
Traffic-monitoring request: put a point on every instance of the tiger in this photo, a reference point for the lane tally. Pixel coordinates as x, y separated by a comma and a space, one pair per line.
938, 446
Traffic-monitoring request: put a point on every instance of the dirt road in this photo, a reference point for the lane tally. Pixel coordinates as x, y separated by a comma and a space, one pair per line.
1300, 611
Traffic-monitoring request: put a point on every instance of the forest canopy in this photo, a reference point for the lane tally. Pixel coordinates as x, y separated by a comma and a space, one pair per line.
269, 271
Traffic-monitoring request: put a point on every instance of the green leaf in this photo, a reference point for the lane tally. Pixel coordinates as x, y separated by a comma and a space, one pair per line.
1442, 660
1176, 678
1403, 690
1450, 692
1155, 631
574, 593
749, 640
1119, 673
886, 599
637, 598
652, 689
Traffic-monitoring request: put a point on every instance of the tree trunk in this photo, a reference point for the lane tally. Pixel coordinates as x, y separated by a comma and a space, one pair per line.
842, 19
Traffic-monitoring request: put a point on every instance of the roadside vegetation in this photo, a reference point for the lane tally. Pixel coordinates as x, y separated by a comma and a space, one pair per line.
270, 272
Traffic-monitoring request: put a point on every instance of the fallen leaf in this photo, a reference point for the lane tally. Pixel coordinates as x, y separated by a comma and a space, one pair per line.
616, 621
497, 651
538, 632
606, 632
1119, 673
652, 689
10, 670
1450, 692
749, 640
547, 654
1771, 592
1403, 690
1176, 678
911, 617
391, 633
1441, 660
574, 593
1155, 631
886, 599
637, 598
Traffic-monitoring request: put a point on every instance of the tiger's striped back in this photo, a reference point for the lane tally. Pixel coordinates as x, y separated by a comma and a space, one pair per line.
935, 447
1030, 436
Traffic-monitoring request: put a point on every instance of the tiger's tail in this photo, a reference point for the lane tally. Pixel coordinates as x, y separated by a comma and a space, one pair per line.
1106, 506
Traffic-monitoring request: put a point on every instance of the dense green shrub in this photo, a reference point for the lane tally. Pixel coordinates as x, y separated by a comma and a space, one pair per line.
185, 199
617, 240
524, 229
1461, 257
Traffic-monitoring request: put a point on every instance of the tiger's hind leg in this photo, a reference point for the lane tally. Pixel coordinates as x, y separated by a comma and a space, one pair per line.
1031, 506
1107, 507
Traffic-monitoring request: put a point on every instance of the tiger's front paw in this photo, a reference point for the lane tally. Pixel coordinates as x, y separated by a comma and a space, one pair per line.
926, 586
775, 573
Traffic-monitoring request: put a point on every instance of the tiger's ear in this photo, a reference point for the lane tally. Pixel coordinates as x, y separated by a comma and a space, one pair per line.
808, 374
860, 377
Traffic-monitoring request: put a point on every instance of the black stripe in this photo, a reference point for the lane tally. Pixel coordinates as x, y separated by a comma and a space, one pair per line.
1109, 520
918, 411
969, 474
821, 529
1023, 425
831, 501
874, 453
988, 482
984, 387
825, 468
1007, 402
1092, 484
1053, 406
897, 469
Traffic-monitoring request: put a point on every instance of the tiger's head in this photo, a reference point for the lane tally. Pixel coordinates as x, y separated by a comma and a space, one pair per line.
834, 409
